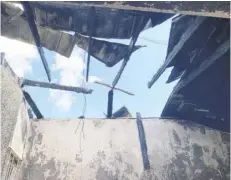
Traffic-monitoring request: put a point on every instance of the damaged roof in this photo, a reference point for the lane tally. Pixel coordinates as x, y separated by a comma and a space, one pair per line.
15, 26
106, 23
200, 56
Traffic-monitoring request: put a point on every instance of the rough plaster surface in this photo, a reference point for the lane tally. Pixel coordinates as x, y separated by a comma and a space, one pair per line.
110, 149
18, 141
11, 97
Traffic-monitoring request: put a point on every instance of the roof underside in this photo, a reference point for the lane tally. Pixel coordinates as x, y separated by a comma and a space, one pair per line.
203, 66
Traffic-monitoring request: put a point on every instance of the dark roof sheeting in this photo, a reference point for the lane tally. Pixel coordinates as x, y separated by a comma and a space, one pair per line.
108, 23
63, 43
122, 113
202, 94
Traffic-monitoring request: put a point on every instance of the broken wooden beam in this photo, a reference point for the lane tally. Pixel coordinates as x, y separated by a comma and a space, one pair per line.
91, 21
143, 144
107, 85
219, 9
110, 104
30, 18
33, 106
27, 82
130, 49
88, 57
126, 59
186, 36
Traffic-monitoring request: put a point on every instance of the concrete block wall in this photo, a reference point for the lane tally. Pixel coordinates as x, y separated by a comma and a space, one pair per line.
110, 149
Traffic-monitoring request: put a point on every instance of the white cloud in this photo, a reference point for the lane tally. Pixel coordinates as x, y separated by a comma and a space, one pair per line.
92, 79
19, 55
63, 100
71, 74
70, 71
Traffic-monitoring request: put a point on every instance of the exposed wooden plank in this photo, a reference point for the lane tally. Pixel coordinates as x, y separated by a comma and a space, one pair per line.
27, 82
185, 37
32, 104
199, 8
30, 18
107, 85
91, 19
143, 144
130, 49
110, 104
118, 75
88, 57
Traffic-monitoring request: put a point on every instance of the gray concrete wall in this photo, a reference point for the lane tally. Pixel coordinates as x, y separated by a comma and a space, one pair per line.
11, 97
110, 149
20, 135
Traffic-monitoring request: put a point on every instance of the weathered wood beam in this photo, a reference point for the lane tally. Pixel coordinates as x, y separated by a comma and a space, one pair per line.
143, 144
219, 9
185, 37
27, 82
216, 55
88, 57
130, 50
32, 104
110, 104
118, 75
107, 85
30, 18
91, 19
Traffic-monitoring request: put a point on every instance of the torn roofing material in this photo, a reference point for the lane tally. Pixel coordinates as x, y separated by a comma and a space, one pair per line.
108, 23
122, 113
202, 94
106, 52
17, 28
188, 34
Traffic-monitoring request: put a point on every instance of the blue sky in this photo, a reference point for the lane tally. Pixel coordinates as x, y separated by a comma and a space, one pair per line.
140, 69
